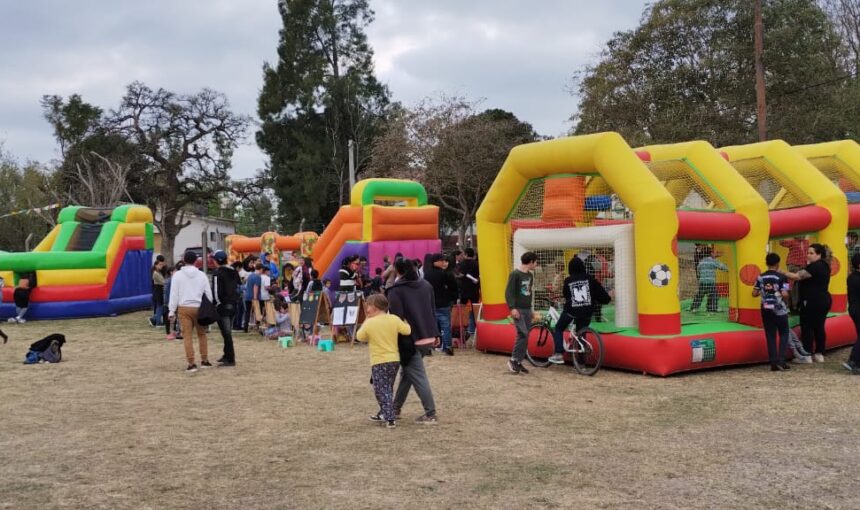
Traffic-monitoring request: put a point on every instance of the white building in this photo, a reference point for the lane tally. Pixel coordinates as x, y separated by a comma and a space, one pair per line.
217, 230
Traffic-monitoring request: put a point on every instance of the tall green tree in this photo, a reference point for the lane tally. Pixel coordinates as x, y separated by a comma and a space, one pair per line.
22, 187
321, 93
687, 72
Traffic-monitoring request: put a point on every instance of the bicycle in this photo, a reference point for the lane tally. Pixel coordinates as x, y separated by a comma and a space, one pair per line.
585, 346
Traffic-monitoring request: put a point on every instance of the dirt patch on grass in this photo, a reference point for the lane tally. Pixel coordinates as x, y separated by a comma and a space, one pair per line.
119, 424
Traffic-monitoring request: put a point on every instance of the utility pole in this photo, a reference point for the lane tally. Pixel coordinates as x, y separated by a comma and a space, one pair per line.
351, 150
761, 103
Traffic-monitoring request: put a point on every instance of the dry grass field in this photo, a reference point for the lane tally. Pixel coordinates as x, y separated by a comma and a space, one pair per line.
119, 425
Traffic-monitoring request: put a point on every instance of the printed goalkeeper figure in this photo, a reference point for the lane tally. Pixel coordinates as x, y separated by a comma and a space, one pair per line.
582, 295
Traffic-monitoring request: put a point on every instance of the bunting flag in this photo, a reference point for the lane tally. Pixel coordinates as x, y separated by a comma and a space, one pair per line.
33, 210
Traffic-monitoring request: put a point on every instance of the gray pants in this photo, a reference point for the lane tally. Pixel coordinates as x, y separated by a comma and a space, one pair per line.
523, 325
413, 374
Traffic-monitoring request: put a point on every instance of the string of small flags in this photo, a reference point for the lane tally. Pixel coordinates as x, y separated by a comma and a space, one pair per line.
33, 210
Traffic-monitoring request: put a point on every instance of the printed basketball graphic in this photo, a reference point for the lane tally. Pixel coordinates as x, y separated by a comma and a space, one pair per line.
749, 273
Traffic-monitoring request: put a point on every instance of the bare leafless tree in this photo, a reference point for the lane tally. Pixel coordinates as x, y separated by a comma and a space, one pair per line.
845, 15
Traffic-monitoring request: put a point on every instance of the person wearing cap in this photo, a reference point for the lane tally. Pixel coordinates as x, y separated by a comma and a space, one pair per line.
445, 293
225, 289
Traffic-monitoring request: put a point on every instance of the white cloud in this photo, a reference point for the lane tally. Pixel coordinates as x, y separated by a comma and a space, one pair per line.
518, 55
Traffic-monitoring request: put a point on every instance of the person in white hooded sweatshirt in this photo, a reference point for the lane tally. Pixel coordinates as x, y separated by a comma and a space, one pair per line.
187, 288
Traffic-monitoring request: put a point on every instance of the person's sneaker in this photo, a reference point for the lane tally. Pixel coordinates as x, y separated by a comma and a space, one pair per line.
179, 337
523, 369
21, 321
391, 424
856, 371
513, 366
376, 418
171, 336
226, 363
449, 351
775, 368
818, 357
12, 320
150, 322
206, 364
557, 359
802, 360
191, 368
426, 419
849, 365
784, 366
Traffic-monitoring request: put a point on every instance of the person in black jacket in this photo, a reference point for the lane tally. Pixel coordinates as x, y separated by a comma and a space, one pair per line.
444, 293
470, 285
815, 299
411, 299
225, 290
582, 295
853, 363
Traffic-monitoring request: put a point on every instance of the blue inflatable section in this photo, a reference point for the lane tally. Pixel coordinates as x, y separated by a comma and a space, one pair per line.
133, 278
598, 203
853, 197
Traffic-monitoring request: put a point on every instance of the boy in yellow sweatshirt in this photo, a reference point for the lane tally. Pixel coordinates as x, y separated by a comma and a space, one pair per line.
380, 331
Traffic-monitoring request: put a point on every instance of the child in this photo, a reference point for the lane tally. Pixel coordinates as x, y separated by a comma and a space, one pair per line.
519, 298
583, 294
376, 283
171, 327
380, 331
707, 271
22, 301
772, 286
330, 294
282, 318
853, 363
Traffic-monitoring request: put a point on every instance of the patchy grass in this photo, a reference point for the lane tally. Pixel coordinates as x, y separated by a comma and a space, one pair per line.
119, 425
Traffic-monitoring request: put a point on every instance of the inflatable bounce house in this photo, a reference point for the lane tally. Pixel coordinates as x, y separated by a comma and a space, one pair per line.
643, 220
239, 247
95, 262
385, 217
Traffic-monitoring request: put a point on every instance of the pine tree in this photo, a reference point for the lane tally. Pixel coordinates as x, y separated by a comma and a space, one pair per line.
321, 93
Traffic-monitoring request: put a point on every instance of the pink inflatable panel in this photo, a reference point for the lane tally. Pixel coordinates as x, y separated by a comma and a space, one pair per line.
409, 249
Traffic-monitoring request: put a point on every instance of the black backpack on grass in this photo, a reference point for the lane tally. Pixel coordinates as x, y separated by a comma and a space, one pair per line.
48, 349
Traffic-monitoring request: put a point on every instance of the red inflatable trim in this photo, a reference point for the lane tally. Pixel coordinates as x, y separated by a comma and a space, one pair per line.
495, 312
711, 226
799, 220
750, 317
669, 355
840, 303
644, 156
853, 216
660, 324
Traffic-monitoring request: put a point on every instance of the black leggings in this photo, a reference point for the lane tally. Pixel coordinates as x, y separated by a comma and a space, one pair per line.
812, 318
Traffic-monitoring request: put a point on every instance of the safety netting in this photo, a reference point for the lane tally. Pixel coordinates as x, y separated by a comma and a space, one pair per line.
839, 174
560, 217
703, 282
687, 186
776, 189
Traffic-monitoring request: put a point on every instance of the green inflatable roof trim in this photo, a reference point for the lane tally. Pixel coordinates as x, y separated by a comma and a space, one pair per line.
67, 230
35, 261
393, 188
119, 213
68, 213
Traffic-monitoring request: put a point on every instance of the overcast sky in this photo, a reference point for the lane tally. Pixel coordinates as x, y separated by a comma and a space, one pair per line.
516, 55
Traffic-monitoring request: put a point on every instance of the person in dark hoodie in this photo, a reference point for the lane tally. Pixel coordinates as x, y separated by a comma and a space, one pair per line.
411, 299
225, 289
444, 294
582, 295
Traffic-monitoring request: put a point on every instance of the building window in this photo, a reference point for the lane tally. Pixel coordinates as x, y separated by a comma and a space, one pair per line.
212, 237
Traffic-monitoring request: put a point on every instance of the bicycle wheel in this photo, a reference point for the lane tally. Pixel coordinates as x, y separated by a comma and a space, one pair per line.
537, 350
590, 358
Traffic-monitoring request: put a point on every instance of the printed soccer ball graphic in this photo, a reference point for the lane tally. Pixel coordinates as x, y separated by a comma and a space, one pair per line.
660, 275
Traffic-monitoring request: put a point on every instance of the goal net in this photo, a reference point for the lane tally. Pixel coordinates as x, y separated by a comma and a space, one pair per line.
608, 253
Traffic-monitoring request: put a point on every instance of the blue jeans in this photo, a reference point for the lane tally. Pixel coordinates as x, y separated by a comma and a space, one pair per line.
158, 317
443, 320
